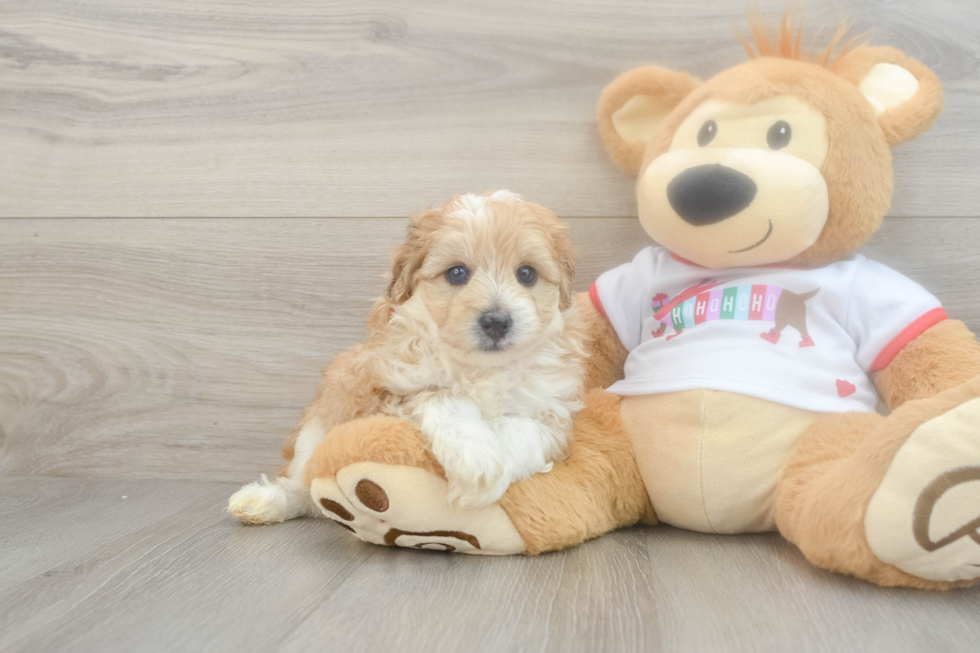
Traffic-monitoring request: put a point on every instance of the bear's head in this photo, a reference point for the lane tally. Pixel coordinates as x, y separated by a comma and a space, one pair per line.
782, 159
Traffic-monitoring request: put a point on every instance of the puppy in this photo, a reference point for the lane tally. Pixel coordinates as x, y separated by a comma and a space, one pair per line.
477, 340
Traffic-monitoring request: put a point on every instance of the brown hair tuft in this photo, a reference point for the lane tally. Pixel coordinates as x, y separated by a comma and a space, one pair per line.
787, 42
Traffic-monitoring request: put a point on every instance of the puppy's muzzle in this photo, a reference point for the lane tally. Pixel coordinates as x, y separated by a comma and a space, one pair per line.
495, 324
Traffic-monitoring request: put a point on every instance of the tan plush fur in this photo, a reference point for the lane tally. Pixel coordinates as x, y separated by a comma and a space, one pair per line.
944, 356
378, 438
604, 366
669, 87
595, 490
838, 465
914, 117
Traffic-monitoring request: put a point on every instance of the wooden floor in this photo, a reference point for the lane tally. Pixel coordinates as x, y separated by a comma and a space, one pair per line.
97, 565
197, 199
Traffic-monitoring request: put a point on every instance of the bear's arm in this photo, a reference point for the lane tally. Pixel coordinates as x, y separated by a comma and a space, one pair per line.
943, 356
606, 353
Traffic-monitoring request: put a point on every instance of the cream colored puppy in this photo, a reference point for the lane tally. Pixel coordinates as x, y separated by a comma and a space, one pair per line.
477, 340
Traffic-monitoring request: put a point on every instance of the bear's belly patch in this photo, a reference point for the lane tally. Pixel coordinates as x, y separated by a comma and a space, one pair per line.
711, 460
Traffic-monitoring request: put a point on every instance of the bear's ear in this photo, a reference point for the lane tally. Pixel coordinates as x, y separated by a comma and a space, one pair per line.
632, 107
906, 96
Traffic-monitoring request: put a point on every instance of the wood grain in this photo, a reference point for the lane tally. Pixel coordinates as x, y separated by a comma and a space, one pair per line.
141, 349
187, 348
377, 108
193, 580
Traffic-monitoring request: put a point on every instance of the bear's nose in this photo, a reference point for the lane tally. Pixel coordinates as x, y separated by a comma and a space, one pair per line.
710, 193
495, 324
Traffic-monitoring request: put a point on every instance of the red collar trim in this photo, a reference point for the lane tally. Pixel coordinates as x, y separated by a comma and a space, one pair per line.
779, 266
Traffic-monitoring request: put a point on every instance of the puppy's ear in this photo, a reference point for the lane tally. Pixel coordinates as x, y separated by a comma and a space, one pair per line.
408, 257
565, 255
566, 259
560, 245
632, 107
906, 96
405, 261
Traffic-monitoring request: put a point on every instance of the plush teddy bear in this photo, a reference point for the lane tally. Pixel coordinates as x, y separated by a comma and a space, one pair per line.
746, 353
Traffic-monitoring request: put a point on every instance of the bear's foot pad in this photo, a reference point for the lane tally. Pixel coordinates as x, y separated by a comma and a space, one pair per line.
924, 518
396, 505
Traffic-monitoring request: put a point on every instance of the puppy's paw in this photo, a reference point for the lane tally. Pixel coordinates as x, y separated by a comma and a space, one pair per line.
476, 475
262, 502
270, 502
475, 496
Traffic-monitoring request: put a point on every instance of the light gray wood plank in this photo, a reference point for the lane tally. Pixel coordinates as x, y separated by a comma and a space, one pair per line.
187, 348
46, 521
192, 579
376, 107
644, 589
197, 580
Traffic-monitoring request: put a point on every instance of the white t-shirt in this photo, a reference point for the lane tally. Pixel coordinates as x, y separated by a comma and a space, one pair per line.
801, 337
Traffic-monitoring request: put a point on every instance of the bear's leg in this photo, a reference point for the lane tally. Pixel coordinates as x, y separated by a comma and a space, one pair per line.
894, 500
595, 490
377, 478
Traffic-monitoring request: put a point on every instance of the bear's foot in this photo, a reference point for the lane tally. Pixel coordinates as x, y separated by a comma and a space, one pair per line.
924, 518
401, 505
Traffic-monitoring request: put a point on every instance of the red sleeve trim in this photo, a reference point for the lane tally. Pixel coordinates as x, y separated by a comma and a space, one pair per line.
594, 296
910, 333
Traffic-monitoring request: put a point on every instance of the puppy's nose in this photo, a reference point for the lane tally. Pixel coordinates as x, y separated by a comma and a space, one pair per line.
710, 193
495, 324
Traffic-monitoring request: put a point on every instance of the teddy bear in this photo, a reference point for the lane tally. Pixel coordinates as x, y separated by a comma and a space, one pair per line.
736, 364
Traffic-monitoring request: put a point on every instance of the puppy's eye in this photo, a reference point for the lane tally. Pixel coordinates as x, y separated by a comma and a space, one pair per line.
527, 275
457, 275
708, 132
779, 135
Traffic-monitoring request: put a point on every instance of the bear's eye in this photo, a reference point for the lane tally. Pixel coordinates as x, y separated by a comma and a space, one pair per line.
457, 275
527, 275
707, 133
779, 135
